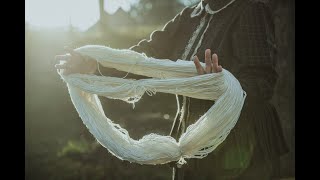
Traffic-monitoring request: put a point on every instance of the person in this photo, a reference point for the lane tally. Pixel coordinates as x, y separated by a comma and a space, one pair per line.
241, 32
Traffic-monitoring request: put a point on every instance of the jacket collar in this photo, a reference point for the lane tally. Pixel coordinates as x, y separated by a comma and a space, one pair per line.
212, 7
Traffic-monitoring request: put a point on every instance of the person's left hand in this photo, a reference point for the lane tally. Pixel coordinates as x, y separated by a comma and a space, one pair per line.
75, 63
212, 64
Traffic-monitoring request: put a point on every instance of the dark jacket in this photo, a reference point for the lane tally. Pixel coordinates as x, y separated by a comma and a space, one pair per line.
242, 35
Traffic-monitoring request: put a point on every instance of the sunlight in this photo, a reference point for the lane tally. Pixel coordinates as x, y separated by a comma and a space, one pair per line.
61, 13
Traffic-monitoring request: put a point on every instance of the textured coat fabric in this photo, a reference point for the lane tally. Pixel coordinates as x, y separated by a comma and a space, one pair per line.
243, 38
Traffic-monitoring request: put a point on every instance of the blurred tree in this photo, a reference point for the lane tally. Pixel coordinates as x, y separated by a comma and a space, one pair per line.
155, 11
189, 2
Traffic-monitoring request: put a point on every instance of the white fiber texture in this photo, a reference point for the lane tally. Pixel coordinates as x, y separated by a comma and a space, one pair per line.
174, 77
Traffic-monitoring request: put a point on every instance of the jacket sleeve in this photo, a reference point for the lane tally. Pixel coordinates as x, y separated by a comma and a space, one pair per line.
253, 47
159, 45
161, 42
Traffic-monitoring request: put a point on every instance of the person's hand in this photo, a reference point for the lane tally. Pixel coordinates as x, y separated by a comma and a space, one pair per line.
212, 64
75, 63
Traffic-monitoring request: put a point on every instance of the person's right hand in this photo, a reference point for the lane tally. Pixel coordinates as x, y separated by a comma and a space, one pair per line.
75, 63
212, 63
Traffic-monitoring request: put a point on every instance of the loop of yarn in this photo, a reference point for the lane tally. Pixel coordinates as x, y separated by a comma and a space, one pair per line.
179, 77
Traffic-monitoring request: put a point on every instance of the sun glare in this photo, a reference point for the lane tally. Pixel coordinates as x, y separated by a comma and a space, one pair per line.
61, 13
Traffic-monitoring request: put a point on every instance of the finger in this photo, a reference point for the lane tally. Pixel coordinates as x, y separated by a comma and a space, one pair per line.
61, 66
199, 68
219, 68
215, 62
76, 56
208, 61
62, 58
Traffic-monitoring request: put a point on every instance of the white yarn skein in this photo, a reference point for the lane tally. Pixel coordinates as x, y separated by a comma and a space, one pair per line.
178, 77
